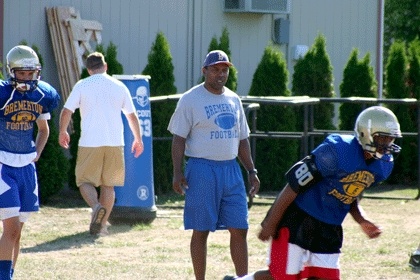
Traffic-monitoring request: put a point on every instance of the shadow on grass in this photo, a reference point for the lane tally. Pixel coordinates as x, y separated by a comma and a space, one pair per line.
71, 198
63, 243
415, 270
382, 191
66, 198
73, 241
399, 192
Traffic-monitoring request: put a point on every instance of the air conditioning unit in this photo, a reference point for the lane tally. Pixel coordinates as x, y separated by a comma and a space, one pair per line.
257, 6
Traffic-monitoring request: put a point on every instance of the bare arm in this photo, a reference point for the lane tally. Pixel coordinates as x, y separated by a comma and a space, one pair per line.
368, 227
276, 212
244, 155
64, 137
41, 137
137, 147
178, 148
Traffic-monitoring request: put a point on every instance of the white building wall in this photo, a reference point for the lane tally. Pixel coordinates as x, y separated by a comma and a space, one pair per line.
189, 25
345, 24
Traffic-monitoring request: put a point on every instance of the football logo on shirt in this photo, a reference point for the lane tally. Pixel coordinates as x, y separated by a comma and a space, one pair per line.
354, 189
353, 185
225, 120
23, 116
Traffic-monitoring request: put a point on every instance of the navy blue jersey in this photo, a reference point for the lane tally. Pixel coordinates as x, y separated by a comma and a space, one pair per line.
19, 112
346, 174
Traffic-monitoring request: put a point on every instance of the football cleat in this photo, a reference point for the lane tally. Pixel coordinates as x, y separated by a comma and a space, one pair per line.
414, 261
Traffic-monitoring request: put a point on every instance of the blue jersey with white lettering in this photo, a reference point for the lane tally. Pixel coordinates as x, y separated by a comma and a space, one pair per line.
19, 112
346, 174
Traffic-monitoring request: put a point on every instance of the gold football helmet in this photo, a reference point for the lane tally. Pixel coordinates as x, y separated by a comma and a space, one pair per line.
23, 58
377, 121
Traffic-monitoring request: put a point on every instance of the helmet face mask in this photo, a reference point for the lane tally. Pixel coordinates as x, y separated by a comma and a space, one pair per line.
382, 145
376, 129
23, 58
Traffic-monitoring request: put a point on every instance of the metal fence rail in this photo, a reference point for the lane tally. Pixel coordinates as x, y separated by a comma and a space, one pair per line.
253, 103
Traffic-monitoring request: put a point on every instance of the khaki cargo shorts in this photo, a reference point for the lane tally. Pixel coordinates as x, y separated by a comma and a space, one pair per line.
100, 166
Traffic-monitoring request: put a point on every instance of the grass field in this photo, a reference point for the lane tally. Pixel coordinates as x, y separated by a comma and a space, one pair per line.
56, 243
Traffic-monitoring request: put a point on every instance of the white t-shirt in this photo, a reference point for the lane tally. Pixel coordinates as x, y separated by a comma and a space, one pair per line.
101, 99
212, 124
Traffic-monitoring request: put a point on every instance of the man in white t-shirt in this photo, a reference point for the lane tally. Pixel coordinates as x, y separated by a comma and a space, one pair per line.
209, 127
100, 157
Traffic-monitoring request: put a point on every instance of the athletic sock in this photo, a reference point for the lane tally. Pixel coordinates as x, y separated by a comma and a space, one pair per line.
247, 277
5, 270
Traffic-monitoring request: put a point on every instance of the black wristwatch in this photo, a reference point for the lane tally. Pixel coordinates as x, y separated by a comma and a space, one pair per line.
252, 171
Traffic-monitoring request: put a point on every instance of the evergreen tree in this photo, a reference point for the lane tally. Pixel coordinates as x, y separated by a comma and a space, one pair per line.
214, 45
313, 76
414, 69
53, 165
413, 84
270, 79
114, 66
358, 81
396, 78
401, 21
162, 81
232, 82
74, 142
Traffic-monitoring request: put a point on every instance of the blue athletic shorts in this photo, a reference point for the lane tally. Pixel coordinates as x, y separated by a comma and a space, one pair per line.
19, 188
216, 196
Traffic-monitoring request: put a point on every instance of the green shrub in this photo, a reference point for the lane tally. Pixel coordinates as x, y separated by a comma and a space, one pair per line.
53, 165
414, 69
274, 156
232, 82
401, 22
160, 69
413, 84
396, 77
358, 80
313, 77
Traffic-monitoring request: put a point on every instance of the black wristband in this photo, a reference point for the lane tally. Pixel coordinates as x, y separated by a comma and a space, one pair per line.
252, 171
